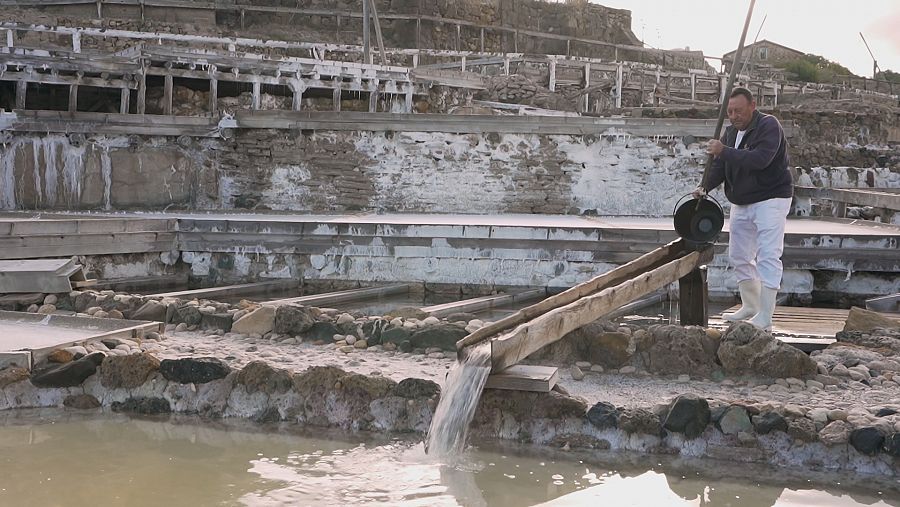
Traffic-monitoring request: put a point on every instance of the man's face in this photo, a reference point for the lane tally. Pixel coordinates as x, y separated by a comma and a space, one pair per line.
740, 111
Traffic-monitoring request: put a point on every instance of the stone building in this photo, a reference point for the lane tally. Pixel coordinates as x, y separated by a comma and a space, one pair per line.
764, 53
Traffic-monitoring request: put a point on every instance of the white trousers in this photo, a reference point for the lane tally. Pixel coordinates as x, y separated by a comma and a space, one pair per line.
756, 240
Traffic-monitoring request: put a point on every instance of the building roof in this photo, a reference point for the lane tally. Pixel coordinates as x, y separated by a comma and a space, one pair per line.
729, 55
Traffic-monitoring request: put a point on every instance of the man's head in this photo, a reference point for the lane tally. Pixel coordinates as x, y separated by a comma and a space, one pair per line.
740, 108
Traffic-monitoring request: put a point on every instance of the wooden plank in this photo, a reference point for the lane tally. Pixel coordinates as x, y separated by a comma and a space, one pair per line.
608, 279
693, 301
482, 303
889, 303
232, 290
529, 337
868, 197
522, 377
343, 296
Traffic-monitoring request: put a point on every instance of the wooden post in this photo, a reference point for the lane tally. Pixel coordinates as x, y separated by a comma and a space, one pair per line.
458, 37
506, 66
587, 84
124, 100
619, 86
408, 102
516, 41
415, 60
299, 87
167, 95
99, 9
73, 98
142, 13
693, 304
21, 90
367, 39
418, 32
256, 96
463, 63
482, 40
336, 94
142, 93
378, 33
242, 19
10, 38
693, 86
213, 104
552, 84
76, 41
373, 96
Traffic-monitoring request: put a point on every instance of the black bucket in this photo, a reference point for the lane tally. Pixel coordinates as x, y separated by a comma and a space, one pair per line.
701, 223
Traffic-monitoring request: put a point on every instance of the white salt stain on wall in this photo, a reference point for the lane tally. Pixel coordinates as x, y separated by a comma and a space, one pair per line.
288, 190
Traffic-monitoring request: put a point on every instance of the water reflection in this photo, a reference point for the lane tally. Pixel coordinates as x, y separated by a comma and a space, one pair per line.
54, 459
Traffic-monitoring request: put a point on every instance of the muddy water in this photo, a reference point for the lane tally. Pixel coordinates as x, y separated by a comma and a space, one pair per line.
49, 459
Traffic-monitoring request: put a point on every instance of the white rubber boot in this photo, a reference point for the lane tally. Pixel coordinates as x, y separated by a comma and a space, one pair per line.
763, 319
749, 290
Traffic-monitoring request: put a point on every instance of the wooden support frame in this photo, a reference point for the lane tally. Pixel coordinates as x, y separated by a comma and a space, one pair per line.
344, 296
548, 321
21, 92
73, 98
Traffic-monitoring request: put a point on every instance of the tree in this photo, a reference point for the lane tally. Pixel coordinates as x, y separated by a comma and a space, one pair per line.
889, 75
816, 69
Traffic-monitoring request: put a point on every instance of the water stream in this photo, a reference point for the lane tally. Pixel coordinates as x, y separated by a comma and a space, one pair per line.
459, 398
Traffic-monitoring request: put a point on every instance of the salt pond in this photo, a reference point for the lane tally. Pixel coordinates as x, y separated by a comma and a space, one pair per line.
53, 458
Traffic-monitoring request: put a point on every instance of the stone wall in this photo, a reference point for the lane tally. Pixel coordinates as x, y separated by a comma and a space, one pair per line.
347, 171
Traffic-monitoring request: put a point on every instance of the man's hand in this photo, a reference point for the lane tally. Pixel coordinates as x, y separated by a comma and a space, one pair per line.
698, 193
715, 147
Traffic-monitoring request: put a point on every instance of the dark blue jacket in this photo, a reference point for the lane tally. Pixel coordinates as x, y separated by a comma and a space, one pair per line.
756, 170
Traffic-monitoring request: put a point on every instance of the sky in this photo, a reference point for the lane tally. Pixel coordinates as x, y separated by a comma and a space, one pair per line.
828, 28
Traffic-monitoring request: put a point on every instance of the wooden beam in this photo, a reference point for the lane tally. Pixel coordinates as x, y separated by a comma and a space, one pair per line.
375, 19
233, 290
514, 346
483, 303
610, 278
124, 100
522, 377
256, 96
373, 101
693, 298
336, 95
344, 295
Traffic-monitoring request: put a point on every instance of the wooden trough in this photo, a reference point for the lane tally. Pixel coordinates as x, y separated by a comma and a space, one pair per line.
516, 337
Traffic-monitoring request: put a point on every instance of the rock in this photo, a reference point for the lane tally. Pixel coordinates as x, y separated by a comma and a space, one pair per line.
150, 311
803, 429
294, 319
259, 321
840, 370
33, 308
81, 401
187, 314
430, 321
413, 388
768, 422
603, 415
745, 349
194, 370
259, 376
350, 339
867, 320
818, 415
735, 420
11, 375
814, 383
396, 335
478, 323
218, 321
115, 314
61, 356
627, 370
884, 412
143, 405
837, 415
321, 331
847, 355
867, 440
128, 372
69, 374
181, 327
596, 368
407, 312
673, 350
892, 444
584, 365
835, 433
688, 414
444, 336
640, 421
360, 344
51, 299
461, 317
576, 373
344, 318
46, 309
608, 349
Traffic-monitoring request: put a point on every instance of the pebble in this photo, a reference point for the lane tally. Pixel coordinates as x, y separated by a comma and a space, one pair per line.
814, 384
624, 330
345, 318
51, 299
339, 337
346, 349
410, 325
181, 327
430, 321
360, 344
476, 322
596, 368
46, 309
430, 350
837, 415
576, 372
32, 309
435, 355
627, 369
397, 322
683, 378
350, 339
583, 365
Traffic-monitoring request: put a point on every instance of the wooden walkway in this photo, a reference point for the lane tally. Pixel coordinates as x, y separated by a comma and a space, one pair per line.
801, 323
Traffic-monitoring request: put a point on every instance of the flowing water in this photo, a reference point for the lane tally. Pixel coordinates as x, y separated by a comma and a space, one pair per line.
51, 458
459, 398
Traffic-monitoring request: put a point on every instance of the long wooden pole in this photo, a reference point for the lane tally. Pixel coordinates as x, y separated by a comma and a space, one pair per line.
723, 109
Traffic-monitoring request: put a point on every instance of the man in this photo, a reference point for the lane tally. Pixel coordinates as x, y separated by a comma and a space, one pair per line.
752, 160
